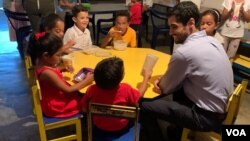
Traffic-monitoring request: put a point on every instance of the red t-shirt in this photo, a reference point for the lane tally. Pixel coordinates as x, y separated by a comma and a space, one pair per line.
136, 12
123, 95
56, 103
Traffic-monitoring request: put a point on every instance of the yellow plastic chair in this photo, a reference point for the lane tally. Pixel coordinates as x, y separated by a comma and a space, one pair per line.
30, 70
233, 107
117, 111
28, 64
47, 123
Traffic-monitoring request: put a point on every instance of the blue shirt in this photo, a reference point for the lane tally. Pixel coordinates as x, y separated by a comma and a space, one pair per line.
202, 68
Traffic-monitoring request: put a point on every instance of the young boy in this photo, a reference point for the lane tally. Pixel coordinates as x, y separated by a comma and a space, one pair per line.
79, 32
121, 31
108, 89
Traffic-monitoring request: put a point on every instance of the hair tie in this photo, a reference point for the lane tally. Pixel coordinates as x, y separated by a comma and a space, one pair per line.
217, 13
38, 35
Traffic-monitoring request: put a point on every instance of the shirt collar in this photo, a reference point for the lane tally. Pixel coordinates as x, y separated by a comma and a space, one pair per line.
196, 35
78, 31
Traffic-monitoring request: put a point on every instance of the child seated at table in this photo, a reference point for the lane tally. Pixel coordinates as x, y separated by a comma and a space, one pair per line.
121, 31
108, 89
59, 99
79, 32
52, 23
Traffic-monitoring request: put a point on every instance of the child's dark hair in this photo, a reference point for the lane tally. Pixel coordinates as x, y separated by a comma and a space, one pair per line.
43, 42
77, 9
49, 22
184, 11
214, 12
122, 14
109, 73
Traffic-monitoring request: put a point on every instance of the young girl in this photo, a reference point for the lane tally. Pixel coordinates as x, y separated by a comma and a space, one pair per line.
108, 90
59, 99
52, 23
235, 13
79, 32
210, 20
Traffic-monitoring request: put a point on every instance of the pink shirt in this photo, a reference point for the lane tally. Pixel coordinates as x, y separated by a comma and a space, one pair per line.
56, 103
123, 95
136, 12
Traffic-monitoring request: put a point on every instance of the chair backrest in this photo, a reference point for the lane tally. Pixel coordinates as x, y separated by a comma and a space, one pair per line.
234, 102
158, 14
48, 123
18, 16
233, 107
103, 26
36, 95
113, 111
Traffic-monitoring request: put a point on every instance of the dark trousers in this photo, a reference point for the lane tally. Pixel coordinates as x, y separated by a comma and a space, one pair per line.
181, 112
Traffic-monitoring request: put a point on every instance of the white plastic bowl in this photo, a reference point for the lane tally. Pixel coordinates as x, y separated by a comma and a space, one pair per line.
120, 45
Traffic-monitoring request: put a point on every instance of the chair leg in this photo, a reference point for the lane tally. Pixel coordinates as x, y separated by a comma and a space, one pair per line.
97, 37
146, 31
92, 20
78, 130
139, 42
154, 38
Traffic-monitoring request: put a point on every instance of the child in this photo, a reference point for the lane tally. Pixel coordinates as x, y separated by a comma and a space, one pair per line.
59, 99
235, 13
135, 14
52, 23
108, 90
121, 31
210, 20
136, 10
79, 32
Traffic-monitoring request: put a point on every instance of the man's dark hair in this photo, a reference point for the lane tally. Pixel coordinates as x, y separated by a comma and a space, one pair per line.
109, 73
184, 11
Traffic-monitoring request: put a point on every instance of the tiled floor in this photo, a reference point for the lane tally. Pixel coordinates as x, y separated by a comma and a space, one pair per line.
17, 122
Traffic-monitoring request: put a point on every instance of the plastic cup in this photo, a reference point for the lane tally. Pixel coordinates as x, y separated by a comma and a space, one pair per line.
68, 61
150, 62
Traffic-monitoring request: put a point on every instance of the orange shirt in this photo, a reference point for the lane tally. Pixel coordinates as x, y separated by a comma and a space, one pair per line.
129, 36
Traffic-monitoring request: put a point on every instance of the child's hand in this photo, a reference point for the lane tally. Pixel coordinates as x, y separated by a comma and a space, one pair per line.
89, 78
116, 35
69, 69
69, 44
242, 9
146, 74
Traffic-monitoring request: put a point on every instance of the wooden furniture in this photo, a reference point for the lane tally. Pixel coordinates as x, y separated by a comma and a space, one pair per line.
233, 107
47, 123
115, 111
133, 62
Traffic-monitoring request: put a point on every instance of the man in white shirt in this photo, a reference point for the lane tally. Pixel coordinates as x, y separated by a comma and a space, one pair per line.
199, 77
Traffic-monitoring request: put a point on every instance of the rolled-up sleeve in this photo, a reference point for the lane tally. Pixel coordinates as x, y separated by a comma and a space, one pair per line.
175, 74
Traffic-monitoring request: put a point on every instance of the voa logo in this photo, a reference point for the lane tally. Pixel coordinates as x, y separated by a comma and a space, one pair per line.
236, 132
